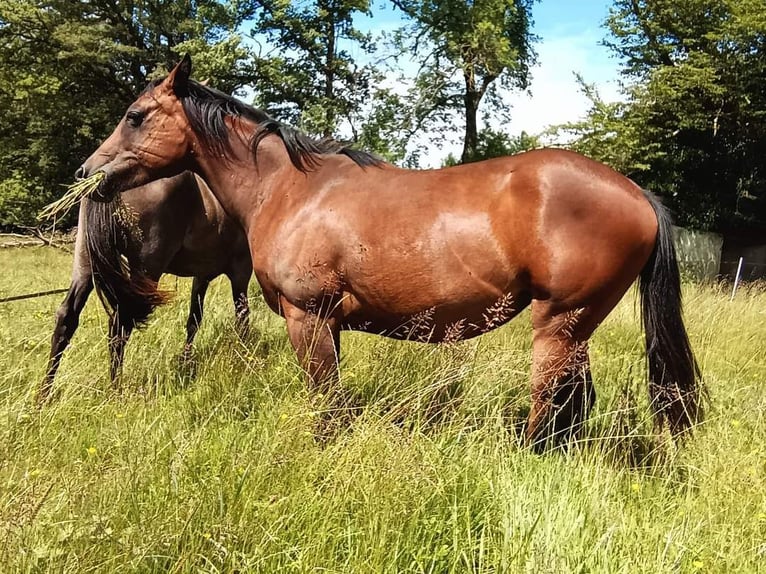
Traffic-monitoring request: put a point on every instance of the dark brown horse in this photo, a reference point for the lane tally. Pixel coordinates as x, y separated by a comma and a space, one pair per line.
341, 240
172, 225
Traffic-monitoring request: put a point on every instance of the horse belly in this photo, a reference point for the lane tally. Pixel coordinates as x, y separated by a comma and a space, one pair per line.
443, 322
449, 278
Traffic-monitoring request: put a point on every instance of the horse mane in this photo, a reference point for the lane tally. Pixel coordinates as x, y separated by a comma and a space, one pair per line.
207, 107
123, 286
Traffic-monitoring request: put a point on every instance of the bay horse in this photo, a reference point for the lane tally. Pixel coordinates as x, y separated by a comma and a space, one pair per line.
176, 226
341, 240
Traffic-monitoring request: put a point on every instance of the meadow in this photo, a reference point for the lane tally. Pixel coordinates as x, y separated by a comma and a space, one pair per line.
216, 469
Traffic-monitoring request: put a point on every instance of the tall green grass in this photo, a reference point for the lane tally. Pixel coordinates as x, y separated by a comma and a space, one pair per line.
217, 470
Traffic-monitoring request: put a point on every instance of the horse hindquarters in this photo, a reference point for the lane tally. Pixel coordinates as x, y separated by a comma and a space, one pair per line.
596, 256
561, 381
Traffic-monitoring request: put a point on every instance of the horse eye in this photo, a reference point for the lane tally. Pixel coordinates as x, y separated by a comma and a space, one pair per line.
134, 118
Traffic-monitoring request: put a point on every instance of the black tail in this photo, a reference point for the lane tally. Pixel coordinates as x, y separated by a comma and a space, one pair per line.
119, 277
674, 377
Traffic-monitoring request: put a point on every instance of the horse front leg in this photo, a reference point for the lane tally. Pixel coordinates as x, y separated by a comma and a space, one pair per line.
196, 309
67, 321
240, 279
315, 336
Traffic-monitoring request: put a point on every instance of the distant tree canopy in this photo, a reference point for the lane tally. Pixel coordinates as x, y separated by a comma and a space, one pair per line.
492, 143
467, 51
693, 126
310, 78
319, 72
68, 69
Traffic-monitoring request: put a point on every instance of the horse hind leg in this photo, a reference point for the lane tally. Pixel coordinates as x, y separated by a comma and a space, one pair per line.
562, 386
240, 279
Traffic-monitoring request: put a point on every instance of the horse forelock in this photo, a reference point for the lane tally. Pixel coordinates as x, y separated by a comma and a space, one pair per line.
206, 109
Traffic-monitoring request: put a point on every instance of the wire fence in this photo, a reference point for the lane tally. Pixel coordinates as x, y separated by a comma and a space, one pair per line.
725, 270
32, 295
750, 271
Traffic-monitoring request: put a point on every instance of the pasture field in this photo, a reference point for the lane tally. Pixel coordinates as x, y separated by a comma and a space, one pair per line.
215, 468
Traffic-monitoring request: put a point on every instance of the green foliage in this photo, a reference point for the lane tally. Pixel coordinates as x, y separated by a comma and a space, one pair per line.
612, 132
321, 73
464, 48
311, 80
68, 69
498, 144
693, 126
386, 127
222, 473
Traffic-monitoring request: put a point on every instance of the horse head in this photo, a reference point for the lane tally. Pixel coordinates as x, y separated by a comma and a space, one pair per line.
153, 139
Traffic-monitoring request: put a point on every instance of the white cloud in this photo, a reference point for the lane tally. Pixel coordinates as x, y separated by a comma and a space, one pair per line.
554, 96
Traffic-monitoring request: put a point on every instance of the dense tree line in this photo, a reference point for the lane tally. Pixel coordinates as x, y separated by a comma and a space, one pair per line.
691, 126
68, 69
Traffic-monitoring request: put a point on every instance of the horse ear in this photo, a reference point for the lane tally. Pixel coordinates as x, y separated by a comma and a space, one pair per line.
179, 77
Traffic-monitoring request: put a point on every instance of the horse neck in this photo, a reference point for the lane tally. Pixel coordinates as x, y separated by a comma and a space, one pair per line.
240, 182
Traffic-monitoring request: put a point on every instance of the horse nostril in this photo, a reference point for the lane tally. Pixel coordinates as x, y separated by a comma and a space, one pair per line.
80, 173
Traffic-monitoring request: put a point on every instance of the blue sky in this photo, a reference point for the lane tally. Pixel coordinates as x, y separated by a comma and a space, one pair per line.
577, 23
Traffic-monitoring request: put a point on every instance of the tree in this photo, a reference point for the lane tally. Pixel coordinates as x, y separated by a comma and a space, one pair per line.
612, 132
386, 124
493, 143
693, 126
467, 50
68, 69
309, 77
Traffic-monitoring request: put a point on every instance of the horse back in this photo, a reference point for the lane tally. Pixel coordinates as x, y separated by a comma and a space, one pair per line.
185, 231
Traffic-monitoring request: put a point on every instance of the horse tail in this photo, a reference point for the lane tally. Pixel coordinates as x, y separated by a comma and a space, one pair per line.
113, 243
674, 376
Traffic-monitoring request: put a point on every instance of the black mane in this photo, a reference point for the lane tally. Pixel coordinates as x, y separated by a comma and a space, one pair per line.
206, 109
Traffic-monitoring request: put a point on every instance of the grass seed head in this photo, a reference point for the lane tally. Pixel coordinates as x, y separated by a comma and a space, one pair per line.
75, 192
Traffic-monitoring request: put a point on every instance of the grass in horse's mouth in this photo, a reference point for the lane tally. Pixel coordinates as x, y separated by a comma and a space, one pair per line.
75, 192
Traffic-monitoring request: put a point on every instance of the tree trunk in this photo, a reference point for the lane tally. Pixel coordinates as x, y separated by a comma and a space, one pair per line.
471, 100
329, 79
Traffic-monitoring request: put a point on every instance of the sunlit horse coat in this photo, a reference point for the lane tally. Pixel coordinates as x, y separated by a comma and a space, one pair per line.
342, 241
